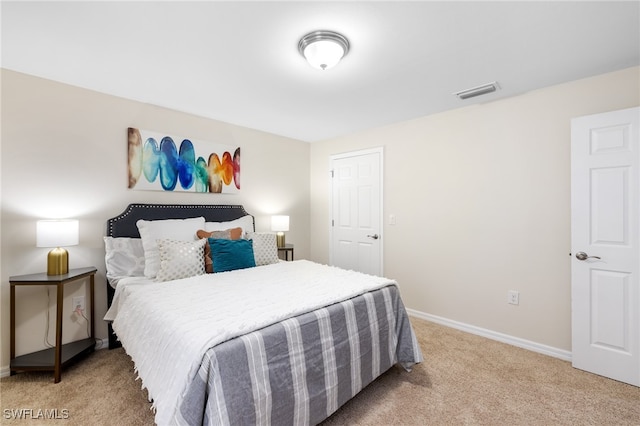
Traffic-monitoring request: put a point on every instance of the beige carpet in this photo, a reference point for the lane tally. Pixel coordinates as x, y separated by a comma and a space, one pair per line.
465, 380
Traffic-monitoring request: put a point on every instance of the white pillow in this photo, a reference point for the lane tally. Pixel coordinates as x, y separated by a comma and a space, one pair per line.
245, 222
180, 259
174, 229
124, 257
265, 247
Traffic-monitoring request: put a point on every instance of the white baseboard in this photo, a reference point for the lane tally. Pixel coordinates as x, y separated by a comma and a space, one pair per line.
494, 335
100, 344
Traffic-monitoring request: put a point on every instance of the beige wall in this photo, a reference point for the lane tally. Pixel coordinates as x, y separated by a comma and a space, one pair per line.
64, 155
482, 200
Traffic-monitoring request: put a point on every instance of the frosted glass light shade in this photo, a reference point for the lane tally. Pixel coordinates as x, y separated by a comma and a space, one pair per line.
57, 233
324, 54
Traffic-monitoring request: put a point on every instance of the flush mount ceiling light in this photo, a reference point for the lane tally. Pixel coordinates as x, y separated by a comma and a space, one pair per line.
478, 90
323, 49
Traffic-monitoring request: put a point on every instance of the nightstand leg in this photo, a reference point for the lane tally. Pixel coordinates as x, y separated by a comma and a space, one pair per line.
91, 297
12, 324
57, 368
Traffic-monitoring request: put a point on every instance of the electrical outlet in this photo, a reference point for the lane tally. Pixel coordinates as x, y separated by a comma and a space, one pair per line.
513, 297
78, 303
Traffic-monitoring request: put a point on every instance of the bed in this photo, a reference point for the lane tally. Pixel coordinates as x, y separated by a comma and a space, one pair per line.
258, 341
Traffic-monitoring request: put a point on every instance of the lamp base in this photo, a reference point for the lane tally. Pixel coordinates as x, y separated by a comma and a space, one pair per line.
58, 262
280, 239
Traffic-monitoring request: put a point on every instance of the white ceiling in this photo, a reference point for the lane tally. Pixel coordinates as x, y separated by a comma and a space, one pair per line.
238, 61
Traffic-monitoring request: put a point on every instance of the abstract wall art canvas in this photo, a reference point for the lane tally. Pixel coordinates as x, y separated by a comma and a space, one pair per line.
161, 162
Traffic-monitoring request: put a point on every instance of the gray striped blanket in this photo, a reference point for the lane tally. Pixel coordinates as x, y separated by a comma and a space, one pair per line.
301, 370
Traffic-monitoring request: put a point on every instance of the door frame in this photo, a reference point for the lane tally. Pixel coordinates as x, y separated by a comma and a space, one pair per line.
357, 153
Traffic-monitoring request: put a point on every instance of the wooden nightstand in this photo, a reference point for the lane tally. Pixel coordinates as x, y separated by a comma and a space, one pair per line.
288, 248
55, 358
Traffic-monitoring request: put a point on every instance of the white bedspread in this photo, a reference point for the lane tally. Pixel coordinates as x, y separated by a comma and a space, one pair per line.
167, 327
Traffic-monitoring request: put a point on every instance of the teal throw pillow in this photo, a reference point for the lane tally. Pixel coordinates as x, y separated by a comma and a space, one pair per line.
228, 255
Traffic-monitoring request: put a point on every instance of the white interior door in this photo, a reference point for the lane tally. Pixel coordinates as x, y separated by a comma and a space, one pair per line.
605, 236
356, 232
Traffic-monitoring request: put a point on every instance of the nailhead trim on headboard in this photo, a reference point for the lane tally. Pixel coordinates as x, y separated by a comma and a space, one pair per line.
124, 225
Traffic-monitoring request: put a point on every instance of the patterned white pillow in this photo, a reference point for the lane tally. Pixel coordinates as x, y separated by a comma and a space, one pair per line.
124, 257
265, 247
180, 259
167, 229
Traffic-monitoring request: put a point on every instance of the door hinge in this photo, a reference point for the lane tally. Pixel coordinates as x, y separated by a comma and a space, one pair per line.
332, 223
331, 171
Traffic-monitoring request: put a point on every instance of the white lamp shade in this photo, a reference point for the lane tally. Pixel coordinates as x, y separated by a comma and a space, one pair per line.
279, 223
323, 54
57, 233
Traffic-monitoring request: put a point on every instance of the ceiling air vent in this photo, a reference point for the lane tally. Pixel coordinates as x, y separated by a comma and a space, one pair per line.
478, 90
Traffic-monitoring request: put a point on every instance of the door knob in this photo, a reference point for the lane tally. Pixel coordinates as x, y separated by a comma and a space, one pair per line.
584, 256
374, 236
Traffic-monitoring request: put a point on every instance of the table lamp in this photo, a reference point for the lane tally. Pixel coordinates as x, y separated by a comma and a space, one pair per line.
58, 234
279, 224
